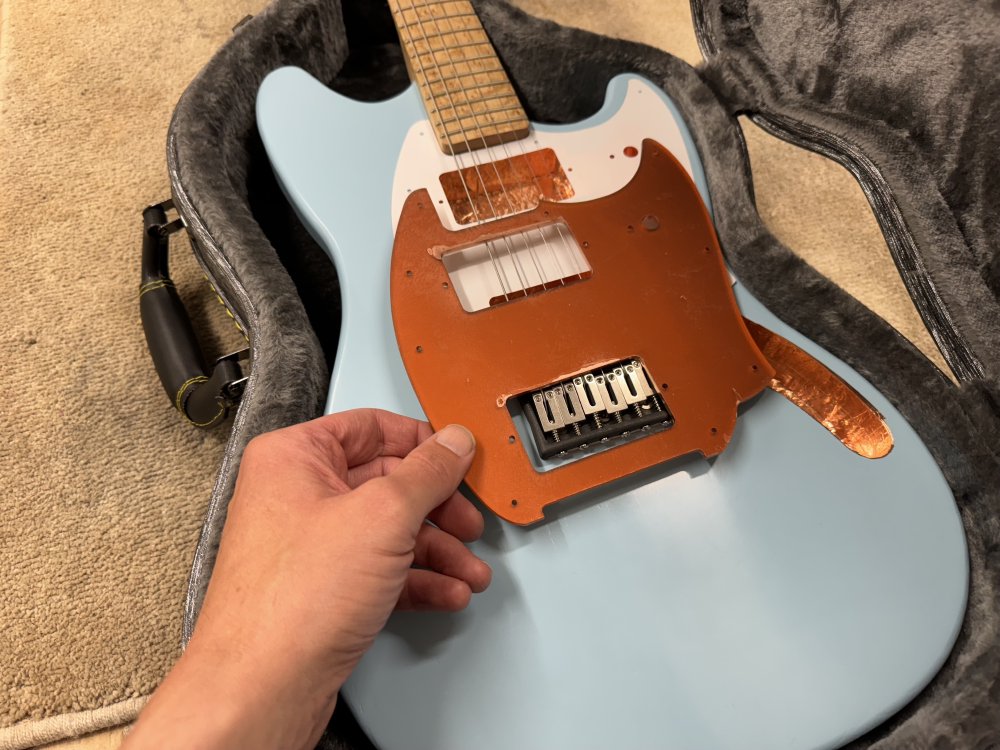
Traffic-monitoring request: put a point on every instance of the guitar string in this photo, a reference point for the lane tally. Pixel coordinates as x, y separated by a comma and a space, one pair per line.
566, 243
518, 269
541, 194
468, 99
490, 120
482, 136
561, 276
498, 269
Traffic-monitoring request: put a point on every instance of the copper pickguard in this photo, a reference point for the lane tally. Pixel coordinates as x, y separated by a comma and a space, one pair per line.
659, 291
823, 395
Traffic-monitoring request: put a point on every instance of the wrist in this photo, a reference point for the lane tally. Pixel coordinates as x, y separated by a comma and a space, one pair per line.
272, 700
214, 701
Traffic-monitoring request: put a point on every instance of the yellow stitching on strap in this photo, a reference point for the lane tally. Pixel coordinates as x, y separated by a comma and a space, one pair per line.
222, 410
150, 289
154, 285
157, 282
178, 402
187, 384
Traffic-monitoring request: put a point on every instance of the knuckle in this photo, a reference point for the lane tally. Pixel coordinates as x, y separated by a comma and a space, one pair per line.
266, 450
264, 445
257, 449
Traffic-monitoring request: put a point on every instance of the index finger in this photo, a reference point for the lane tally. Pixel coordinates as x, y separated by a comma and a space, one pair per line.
367, 434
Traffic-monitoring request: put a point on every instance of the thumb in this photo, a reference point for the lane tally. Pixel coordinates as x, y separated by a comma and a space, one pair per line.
431, 472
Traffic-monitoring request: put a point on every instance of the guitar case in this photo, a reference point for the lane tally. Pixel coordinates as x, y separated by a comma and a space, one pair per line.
904, 95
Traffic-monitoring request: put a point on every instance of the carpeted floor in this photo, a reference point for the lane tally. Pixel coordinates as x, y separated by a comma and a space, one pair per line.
104, 487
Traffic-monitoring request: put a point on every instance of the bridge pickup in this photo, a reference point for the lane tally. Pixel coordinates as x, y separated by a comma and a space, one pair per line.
613, 403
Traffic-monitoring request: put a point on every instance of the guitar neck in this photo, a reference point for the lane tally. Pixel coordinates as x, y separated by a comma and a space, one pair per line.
468, 97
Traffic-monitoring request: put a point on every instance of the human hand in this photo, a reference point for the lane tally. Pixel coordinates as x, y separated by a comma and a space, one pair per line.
326, 523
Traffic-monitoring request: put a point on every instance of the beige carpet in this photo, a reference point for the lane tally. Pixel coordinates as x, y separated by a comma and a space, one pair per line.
103, 486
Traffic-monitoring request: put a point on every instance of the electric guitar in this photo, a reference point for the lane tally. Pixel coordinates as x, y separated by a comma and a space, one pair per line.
681, 555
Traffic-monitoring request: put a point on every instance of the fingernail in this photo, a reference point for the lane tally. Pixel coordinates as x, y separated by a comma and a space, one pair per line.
457, 439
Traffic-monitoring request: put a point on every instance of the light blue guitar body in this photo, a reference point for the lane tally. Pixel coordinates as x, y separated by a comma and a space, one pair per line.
788, 594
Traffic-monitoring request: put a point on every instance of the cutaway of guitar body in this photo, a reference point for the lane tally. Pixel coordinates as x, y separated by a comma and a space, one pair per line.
658, 292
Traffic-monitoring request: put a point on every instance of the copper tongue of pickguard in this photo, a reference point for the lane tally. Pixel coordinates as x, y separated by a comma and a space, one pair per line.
658, 294
823, 395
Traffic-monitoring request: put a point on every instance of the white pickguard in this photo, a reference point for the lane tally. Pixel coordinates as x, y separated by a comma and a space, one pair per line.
593, 159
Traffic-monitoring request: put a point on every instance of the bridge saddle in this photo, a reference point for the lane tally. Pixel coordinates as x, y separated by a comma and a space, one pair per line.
614, 402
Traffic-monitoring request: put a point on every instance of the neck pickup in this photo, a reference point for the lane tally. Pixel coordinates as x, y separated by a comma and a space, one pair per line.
515, 265
506, 186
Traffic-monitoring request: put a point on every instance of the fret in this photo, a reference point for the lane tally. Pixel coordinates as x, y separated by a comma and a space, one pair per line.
469, 98
520, 119
439, 33
440, 6
485, 119
450, 47
479, 99
419, 20
447, 47
488, 71
459, 62
431, 101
